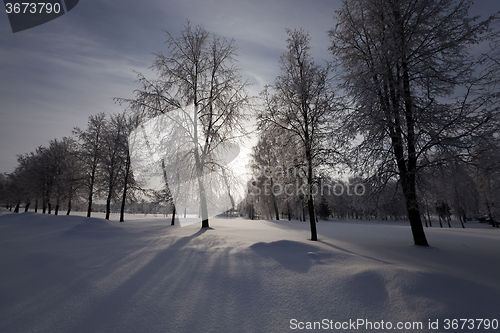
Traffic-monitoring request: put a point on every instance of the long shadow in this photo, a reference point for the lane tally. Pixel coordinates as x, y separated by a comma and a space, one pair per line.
115, 303
285, 224
303, 226
354, 253
295, 256
185, 240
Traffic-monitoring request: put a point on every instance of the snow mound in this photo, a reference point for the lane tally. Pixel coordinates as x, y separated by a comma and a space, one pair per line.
94, 227
292, 255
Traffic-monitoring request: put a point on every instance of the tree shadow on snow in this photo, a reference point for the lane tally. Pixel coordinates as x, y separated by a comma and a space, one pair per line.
336, 247
295, 256
94, 228
131, 288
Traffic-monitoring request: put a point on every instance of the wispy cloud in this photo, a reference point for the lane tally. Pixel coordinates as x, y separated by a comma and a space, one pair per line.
54, 76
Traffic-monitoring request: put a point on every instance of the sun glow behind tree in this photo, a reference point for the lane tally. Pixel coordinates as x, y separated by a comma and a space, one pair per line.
162, 154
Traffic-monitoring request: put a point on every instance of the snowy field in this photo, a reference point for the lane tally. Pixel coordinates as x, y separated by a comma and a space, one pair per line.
74, 274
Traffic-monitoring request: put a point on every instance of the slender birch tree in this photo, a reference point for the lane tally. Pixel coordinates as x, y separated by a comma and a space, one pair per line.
128, 181
301, 104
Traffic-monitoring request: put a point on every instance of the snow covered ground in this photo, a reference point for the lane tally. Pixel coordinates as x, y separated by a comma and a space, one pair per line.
77, 274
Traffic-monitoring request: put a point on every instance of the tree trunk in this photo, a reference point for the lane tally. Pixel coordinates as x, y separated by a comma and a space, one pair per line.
110, 192
27, 207
199, 169
125, 187
16, 210
312, 219
276, 211
36, 205
275, 204
91, 192
310, 203
57, 206
108, 206
411, 191
417, 228
69, 206
407, 178
303, 212
165, 179
173, 217
428, 215
203, 205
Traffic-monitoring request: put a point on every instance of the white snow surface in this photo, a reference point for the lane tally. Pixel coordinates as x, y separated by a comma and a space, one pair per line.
78, 274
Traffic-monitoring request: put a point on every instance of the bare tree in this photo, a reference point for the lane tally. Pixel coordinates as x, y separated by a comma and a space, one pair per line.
198, 79
15, 192
46, 171
113, 158
90, 151
29, 177
50, 174
402, 61
128, 180
73, 175
64, 170
301, 103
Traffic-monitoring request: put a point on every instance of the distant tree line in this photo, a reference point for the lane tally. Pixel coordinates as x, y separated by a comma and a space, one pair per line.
94, 164
450, 188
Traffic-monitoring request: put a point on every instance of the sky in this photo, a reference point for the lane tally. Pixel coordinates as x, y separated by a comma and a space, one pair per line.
54, 76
